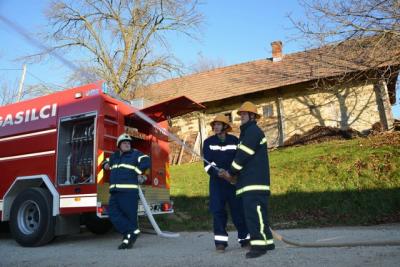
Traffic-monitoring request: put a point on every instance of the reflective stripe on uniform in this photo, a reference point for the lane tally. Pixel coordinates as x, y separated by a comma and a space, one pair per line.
261, 242
140, 158
221, 238
261, 221
252, 188
136, 232
125, 186
223, 148
126, 166
247, 238
263, 141
209, 166
246, 149
236, 166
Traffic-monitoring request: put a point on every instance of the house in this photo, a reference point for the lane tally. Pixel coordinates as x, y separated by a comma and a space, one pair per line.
336, 85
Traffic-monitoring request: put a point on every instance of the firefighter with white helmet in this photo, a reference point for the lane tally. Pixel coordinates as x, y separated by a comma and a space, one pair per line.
219, 150
126, 165
251, 166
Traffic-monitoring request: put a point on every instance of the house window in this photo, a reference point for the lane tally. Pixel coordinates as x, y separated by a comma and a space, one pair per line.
229, 116
268, 111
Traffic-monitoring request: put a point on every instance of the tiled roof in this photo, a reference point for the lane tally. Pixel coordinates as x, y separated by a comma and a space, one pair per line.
264, 74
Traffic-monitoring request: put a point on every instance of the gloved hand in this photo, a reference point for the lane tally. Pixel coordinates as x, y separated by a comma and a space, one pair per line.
106, 166
142, 179
233, 179
221, 172
227, 176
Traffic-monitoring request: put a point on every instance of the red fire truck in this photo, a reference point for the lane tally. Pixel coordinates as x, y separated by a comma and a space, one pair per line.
51, 150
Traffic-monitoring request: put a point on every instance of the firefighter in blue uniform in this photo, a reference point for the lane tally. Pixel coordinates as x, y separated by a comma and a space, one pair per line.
219, 150
251, 166
127, 166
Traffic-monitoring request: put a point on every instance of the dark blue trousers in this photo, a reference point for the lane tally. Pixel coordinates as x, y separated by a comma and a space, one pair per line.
221, 195
256, 207
123, 206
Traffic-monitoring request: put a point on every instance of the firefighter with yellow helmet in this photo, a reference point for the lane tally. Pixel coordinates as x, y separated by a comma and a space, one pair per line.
219, 150
127, 166
251, 166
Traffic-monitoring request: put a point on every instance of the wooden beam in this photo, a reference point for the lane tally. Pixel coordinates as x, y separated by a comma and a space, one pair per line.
281, 121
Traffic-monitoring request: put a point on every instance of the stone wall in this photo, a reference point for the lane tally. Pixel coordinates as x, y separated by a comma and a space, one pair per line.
301, 108
347, 107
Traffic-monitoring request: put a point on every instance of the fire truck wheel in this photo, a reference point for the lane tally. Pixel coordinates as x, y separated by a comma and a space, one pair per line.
96, 225
4, 227
32, 222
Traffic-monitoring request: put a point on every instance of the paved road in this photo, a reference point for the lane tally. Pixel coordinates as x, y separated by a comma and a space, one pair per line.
196, 249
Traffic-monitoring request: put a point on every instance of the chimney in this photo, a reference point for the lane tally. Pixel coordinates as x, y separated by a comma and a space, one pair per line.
276, 51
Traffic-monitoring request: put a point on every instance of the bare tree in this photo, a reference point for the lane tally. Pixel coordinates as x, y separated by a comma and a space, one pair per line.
204, 64
9, 91
338, 20
83, 75
363, 35
124, 42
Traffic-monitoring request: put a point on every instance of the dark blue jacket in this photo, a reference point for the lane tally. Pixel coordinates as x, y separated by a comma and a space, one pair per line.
220, 154
251, 163
125, 169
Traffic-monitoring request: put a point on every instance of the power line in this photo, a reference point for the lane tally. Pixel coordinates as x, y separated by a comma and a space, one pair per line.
44, 83
10, 69
39, 79
41, 46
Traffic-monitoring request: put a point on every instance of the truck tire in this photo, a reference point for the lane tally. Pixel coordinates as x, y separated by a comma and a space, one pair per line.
97, 225
31, 221
4, 228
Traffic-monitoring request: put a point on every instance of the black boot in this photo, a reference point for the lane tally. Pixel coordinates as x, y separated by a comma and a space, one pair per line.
256, 252
245, 244
128, 241
220, 248
271, 247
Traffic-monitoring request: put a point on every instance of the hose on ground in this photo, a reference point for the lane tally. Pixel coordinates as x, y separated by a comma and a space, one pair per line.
372, 243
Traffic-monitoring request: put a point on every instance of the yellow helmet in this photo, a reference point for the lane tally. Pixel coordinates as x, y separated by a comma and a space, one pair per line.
222, 118
249, 107
123, 137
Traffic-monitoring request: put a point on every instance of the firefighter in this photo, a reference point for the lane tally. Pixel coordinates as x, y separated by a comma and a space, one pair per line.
251, 166
127, 166
219, 151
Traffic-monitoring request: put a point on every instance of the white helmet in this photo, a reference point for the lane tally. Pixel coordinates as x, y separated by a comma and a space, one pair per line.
123, 137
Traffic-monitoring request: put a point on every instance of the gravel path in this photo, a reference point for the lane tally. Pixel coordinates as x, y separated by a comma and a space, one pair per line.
196, 249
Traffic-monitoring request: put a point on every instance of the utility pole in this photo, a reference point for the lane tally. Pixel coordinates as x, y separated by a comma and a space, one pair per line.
21, 83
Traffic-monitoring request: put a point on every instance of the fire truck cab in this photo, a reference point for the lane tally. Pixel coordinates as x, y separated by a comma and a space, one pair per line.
51, 151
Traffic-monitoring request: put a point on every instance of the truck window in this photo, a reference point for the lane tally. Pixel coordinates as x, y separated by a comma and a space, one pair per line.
76, 150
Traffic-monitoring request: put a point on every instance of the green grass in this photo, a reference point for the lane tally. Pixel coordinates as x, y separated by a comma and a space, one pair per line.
353, 182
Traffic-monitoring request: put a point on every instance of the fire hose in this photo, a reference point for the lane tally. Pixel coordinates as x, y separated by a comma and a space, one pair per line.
153, 222
374, 243
277, 236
